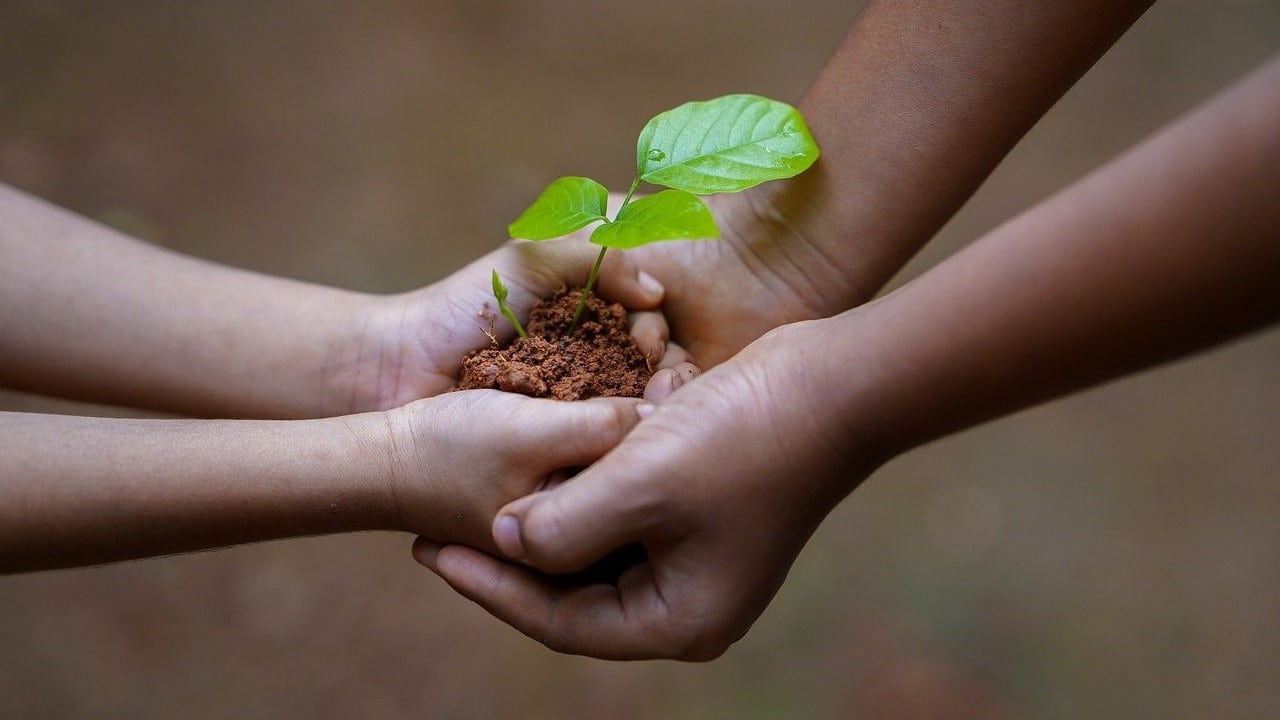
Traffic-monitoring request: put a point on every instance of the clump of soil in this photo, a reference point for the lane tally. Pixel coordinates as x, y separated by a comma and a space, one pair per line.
598, 359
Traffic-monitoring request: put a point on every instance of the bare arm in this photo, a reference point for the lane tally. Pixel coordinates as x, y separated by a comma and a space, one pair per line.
1170, 249
913, 111
88, 313
79, 491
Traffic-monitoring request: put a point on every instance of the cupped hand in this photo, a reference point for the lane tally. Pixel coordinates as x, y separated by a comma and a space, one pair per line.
458, 458
763, 272
410, 346
722, 485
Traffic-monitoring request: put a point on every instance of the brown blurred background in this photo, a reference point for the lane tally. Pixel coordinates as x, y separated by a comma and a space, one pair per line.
1116, 554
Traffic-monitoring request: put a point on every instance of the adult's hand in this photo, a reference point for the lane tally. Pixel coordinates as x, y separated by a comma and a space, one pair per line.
898, 159
722, 485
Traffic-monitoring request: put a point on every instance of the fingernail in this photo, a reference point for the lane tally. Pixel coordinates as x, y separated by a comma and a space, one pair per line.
644, 409
651, 284
506, 533
677, 380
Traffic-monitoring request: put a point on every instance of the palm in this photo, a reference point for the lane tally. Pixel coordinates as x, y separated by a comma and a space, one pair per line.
722, 486
412, 345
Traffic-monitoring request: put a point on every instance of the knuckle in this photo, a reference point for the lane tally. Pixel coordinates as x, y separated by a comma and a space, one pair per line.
706, 646
621, 418
609, 420
543, 537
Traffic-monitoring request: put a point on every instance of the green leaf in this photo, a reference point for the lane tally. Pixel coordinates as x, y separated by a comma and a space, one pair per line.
499, 290
567, 204
669, 215
727, 144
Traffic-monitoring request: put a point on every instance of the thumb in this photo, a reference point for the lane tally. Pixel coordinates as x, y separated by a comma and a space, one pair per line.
569, 528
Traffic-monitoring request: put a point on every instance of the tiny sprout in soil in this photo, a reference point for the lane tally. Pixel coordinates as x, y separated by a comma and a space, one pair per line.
723, 145
500, 293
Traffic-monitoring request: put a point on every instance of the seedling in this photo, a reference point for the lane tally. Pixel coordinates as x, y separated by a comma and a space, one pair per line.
500, 292
723, 145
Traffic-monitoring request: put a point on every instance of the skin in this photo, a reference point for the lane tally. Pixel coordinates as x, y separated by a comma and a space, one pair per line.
83, 491
119, 321
127, 323
1168, 249
239, 344
915, 108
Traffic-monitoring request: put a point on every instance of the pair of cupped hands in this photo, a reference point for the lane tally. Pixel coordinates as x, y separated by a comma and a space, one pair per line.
721, 476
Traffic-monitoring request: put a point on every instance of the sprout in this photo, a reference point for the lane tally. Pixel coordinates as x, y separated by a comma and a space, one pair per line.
723, 145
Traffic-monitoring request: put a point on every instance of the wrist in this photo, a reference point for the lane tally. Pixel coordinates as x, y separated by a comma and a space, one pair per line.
850, 388
354, 467
796, 244
889, 377
358, 340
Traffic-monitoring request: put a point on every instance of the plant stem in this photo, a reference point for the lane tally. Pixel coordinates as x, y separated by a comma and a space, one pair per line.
511, 316
586, 291
595, 270
631, 191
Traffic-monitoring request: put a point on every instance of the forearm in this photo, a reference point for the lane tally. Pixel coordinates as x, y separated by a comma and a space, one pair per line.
914, 110
79, 491
88, 313
1171, 248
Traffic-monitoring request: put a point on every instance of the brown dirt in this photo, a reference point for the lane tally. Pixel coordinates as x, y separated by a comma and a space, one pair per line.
599, 359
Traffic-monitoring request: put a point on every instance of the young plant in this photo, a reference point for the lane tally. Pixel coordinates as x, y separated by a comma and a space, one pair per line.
723, 145
500, 292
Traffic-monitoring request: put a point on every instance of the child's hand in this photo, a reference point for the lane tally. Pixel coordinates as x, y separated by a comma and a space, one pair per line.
410, 346
457, 458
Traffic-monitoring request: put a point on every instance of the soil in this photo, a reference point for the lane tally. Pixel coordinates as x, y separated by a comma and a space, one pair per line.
599, 359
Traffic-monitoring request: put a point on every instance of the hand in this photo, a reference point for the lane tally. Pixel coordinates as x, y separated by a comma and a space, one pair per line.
458, 458
722, 486
763, 272
406, 347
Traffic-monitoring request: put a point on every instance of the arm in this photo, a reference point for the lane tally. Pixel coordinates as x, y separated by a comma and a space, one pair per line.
1169, 249
80, 491
88, 313
913, 111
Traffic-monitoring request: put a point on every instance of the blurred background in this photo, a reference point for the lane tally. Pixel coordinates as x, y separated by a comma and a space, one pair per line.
1115, 554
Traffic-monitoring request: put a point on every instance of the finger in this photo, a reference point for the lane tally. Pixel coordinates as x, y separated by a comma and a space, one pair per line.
687, 371
569, 528
674, 355
557, 478
621, 280
649, 330
573, 434
665, 382
598, 620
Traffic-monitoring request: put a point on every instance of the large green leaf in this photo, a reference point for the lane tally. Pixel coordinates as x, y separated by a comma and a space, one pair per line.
724, 145
566, 205
669, 215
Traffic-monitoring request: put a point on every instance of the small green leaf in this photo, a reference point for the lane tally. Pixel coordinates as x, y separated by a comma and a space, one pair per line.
669, 215
566, 205
500, 293
727, 144
499, 290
